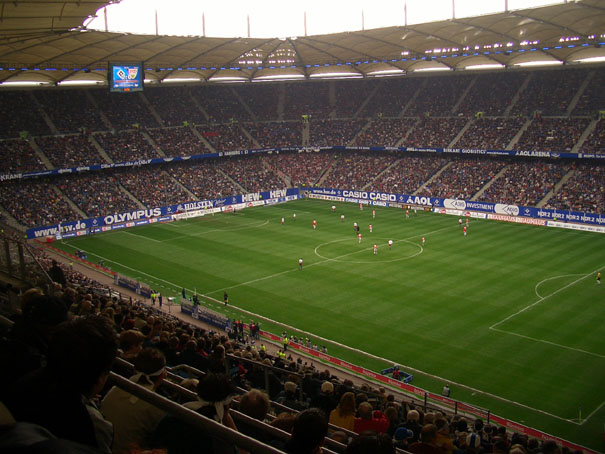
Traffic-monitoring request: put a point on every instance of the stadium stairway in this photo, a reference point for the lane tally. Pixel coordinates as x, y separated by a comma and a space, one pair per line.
556, 187
430, 180
488, 184
517, 96
587, 132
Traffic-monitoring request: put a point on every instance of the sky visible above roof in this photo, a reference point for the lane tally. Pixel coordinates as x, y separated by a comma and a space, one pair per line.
286, 18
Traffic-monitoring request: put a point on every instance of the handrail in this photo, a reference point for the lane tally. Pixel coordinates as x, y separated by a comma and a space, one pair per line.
197, 420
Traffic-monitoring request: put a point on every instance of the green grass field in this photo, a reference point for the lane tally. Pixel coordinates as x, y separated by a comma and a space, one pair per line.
510, 315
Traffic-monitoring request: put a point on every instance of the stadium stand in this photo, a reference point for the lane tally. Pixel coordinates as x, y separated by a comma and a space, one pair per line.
276, 134
126, 146
525, 183
483, 98
434, 132
205, 180
96, 194
580, 193
312, 99
463, 178
408, 174
355, 170
304, 169
391, 97
228, 137
35, 203
180, 141
175, 106
70, 110
333, 132
538, 96
490, 133
220, 104
439, 95
387, 131
123, 112
595, 142
261, 99
69, 151
552, 134
160, 335
153, 187
19, 113
17, 156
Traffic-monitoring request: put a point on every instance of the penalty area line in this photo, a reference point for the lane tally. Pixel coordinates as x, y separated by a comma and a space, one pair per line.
388, 361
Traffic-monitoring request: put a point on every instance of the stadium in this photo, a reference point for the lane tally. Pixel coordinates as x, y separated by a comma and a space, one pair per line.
411, 214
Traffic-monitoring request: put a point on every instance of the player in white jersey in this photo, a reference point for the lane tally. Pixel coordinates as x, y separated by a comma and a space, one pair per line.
342, 218
300, 264
333, 208
282, 221
294, 216
370, 227
373, 214
390, 244
359, 238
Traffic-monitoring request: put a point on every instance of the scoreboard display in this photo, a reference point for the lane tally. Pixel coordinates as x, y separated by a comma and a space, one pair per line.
126, 77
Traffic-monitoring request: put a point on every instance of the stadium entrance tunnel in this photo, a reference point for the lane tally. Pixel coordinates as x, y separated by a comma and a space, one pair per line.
350, 250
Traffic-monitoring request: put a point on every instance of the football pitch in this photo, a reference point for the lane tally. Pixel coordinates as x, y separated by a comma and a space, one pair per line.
510, 316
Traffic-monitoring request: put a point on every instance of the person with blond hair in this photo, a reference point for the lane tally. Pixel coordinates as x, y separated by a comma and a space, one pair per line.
344, 414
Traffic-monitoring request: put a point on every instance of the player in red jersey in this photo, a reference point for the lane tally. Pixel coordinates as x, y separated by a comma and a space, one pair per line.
342, 218
370, 228
464, 230
375, 249
373, 214
359, 238
407, 214
422, 241
361, 207
314, 224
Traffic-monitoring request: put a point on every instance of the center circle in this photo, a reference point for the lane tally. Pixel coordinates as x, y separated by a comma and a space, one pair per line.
349, 250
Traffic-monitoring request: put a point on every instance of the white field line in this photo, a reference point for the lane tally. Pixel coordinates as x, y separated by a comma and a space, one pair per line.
550, 279
247, 226
361, 352
579, 350
315, 263
543, 298
141, 236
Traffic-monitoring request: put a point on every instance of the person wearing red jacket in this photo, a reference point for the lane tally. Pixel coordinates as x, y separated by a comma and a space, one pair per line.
370, 420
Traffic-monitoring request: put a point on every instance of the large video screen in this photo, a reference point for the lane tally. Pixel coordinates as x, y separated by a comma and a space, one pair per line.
126, 77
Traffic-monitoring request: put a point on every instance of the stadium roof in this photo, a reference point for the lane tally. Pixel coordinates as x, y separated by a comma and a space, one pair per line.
43, 41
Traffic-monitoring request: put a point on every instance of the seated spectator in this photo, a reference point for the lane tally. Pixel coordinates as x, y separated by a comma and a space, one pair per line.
255, 403
134, 420
344, 414
325, 400
289, 397
26, 346
370, 420
443, 438
308, 432
59, 397
215, 392
371, 444
427, 444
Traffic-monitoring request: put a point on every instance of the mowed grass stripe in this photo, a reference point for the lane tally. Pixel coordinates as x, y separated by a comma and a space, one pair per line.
431, 313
